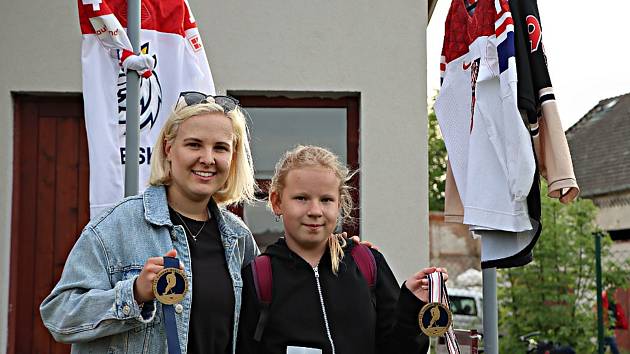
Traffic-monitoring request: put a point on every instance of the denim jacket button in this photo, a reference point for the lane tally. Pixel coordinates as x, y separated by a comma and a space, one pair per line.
179, 308
126, 309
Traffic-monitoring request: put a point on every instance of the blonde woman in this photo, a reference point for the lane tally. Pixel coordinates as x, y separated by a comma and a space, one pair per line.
104, 301
321, 301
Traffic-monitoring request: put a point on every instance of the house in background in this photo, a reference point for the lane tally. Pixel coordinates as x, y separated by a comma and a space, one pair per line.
600, 149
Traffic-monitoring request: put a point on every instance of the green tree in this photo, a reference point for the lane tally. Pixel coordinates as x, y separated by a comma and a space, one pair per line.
437, 164
555, 294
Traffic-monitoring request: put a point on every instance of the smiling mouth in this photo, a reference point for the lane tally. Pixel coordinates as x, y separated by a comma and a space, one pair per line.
204, 174
313, 225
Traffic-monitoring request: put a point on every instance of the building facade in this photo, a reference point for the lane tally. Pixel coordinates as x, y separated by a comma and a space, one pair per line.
371, 56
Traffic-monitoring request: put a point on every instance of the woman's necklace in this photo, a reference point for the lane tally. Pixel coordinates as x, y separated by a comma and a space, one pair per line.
194, 236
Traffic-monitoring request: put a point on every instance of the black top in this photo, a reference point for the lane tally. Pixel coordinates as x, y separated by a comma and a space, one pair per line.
357, 325
531, 62
212, 312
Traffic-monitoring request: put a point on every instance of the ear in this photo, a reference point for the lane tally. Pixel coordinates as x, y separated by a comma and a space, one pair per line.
167, 150
276, 206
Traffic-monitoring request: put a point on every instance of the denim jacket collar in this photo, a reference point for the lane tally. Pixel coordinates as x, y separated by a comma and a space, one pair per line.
228, 233
156, 206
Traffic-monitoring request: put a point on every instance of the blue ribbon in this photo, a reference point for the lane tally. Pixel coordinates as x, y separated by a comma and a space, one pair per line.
170, 323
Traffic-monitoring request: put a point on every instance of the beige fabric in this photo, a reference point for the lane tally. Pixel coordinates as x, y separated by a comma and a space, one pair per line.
453, 207
554, 157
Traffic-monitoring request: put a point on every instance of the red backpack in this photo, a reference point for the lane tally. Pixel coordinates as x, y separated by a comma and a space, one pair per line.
263, 279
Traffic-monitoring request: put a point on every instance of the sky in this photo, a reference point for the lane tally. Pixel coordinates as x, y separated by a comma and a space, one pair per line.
587, 46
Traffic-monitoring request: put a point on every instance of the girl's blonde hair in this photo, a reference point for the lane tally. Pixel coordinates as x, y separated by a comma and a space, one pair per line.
315, 156
241, 184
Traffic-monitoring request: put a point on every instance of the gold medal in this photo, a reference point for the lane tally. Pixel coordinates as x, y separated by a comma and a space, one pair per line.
435, 319
170, 286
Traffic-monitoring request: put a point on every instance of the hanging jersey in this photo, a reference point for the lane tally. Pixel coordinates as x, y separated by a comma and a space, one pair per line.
536, 97
489, 148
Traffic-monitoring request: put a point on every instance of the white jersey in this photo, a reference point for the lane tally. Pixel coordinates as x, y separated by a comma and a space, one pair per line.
488, 145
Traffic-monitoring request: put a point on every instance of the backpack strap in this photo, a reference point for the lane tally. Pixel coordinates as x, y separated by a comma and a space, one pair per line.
261, 271
364, 259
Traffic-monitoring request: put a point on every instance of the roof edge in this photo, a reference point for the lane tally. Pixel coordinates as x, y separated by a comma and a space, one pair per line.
602, 191
587, 115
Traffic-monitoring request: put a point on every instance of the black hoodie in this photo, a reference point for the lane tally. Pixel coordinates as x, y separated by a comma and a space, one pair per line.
358, 324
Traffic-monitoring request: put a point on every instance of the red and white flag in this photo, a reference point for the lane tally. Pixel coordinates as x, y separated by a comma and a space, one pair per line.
174, 60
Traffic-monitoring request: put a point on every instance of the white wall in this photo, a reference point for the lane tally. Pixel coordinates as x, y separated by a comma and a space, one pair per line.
369, 47
374, 48
614, 218
613, 210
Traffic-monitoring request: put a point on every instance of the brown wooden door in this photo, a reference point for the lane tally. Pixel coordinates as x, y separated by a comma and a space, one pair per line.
50, 207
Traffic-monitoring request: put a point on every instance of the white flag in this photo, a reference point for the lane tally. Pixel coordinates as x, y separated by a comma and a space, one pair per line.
169, 35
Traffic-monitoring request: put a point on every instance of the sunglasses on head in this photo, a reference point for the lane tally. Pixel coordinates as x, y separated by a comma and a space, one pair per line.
192, 98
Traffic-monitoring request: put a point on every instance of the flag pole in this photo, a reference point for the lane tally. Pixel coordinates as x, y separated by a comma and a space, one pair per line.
132, 126
490, 311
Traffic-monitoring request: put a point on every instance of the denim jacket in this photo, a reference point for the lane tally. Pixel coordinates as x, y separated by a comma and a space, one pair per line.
93, 305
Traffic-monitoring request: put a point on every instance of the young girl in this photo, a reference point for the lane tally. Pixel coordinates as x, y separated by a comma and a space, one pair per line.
104, 301
320, 298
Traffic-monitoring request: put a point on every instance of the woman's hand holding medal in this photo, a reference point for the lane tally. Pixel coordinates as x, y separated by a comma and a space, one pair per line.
143, 286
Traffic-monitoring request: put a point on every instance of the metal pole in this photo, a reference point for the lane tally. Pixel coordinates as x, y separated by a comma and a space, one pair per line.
490, 311
598, 282
132, 127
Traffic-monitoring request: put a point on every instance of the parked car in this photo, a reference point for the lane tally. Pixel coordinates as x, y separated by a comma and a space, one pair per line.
467, 308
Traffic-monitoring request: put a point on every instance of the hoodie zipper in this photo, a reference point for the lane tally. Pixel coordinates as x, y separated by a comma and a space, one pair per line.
321, 301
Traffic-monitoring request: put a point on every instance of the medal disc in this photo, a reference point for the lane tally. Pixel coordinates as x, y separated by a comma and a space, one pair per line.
434, 319
170, 286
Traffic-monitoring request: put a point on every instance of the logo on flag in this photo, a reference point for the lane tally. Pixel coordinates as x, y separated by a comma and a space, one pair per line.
195, 43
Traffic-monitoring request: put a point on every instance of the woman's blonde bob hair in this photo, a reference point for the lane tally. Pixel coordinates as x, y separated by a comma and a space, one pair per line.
241, 184
314, 156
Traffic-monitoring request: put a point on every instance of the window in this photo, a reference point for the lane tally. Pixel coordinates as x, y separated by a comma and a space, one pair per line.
461, 305
278, 124
619, 235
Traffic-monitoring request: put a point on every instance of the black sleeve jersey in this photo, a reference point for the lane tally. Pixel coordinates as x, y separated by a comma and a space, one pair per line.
531, 62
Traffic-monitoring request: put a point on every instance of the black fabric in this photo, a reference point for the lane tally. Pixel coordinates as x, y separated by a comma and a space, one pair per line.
212, 312
531, 62
357, 324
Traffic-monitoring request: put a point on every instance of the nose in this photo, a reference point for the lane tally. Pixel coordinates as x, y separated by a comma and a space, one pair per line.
207, 157
315, 209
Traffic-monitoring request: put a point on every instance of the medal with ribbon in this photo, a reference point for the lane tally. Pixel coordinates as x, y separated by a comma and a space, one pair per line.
169, 287
435, 317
